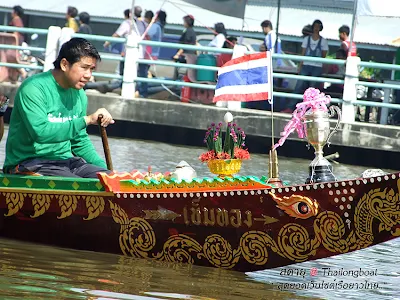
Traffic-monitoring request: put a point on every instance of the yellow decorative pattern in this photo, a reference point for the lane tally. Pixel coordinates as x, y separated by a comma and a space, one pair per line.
180, 248
67, 204
119, 216
293, 241
219, 252
138, 239
14, 202
95, 206
40, 204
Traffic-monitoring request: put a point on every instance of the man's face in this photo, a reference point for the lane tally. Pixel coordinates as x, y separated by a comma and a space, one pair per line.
342, 36
265, 29
78, 74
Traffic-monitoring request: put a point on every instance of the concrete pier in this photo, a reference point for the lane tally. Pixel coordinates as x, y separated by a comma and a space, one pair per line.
365, 144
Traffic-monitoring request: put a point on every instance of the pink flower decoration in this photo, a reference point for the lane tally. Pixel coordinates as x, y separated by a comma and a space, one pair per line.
313, 100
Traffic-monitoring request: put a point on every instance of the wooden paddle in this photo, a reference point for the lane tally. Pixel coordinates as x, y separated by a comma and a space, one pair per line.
106, 148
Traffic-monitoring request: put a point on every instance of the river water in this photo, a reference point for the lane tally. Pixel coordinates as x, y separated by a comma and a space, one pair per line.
29, 271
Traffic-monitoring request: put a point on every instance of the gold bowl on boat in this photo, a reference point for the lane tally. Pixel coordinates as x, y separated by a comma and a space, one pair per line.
224, 167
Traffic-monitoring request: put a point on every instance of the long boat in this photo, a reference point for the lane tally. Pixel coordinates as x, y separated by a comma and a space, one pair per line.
239, 223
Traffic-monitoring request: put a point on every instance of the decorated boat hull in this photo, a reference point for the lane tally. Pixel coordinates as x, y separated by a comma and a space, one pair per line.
239, 223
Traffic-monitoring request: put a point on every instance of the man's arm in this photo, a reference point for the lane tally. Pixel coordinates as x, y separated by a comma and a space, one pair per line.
122, 30
31, 104
82, 146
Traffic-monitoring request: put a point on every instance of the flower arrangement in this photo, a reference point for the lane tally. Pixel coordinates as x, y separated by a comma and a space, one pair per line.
232, 147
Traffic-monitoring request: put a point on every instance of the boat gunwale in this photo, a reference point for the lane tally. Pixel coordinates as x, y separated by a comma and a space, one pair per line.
56, 191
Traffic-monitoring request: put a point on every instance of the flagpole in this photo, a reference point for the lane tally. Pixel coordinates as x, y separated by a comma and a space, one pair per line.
277, 25
273, 170
270, 79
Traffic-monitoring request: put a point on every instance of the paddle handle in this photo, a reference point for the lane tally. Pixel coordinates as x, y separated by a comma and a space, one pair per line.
106, 147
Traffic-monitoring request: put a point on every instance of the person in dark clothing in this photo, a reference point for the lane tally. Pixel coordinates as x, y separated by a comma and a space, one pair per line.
16, 20
84, 20
188, 37
4, 101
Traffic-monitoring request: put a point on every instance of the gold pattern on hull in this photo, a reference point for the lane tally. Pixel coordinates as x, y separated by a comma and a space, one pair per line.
41, 204
14, 202
293, 242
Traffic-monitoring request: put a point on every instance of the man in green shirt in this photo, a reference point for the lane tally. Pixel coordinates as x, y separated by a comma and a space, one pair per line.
47, 134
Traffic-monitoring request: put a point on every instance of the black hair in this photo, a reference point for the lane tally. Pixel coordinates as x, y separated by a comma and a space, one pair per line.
137, 11
162, 17
220, 28
317, 22
84, 17
127, 13
341, 53
149, 14
19, 11
72, 11
231, 39
189, 20
307, 30
266, 23
344, 29
74, 50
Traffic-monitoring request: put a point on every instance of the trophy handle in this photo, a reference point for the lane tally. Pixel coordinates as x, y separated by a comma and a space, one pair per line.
331, 112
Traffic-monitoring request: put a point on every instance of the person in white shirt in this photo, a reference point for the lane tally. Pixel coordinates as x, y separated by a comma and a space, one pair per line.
220, 36
315, 46
271, 42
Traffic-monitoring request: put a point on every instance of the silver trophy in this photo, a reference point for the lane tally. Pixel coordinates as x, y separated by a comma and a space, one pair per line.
318, 134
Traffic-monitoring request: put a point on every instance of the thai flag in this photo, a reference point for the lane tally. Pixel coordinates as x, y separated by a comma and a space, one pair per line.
246, 78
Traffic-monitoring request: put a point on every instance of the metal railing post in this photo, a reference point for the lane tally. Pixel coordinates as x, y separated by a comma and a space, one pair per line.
350, 89
130, 67
53, 37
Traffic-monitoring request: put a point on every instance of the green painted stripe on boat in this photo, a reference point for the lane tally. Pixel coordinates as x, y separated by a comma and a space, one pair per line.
50, 183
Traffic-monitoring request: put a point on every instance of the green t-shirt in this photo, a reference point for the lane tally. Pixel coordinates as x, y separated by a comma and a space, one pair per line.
47, 122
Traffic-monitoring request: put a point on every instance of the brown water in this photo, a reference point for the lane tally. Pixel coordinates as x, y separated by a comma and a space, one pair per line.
29, 271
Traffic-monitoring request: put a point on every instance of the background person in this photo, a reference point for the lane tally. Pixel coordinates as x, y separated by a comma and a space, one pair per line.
188, 37
344, 33
314, 46
84, 20
72, 13
3, 107
220, 36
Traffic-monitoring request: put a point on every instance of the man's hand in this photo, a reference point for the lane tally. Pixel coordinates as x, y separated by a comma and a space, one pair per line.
105, 121
263, 48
